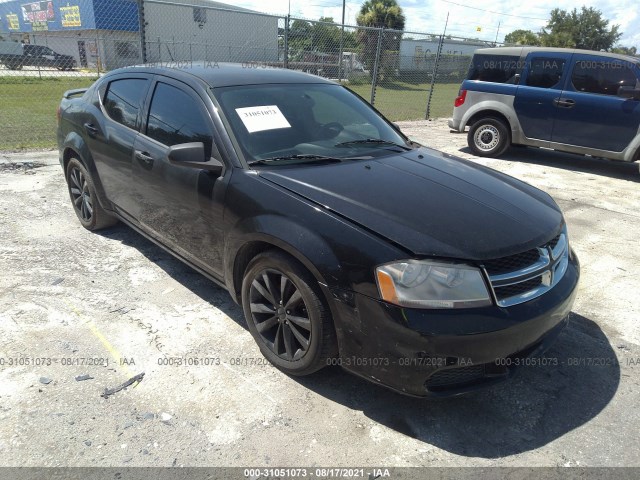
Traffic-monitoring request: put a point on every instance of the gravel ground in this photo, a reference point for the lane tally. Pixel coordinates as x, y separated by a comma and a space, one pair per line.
113, 305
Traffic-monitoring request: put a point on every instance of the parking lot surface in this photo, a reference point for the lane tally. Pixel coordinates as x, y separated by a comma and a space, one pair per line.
81, 312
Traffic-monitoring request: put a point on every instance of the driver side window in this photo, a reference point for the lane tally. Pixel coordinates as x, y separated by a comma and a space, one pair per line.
603, 77
176, 117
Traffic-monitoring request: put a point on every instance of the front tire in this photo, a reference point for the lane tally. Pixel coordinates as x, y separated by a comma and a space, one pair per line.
489, 137
84, 199
286, 314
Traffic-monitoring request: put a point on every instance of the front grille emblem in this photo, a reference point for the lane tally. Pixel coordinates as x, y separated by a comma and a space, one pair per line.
527, 282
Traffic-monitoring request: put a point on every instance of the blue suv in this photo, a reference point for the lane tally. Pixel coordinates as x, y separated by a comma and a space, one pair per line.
575, 101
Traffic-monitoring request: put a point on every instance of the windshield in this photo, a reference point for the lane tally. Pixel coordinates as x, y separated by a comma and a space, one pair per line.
296, 123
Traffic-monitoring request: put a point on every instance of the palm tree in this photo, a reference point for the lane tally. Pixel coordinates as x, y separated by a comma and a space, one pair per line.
380, 14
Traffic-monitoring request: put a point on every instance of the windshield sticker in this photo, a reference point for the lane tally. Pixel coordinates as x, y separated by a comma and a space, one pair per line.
258, 119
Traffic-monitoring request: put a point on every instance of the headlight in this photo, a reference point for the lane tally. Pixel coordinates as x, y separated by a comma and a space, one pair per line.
426, 284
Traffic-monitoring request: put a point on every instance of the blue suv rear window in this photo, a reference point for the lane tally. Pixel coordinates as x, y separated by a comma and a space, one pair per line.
494, 68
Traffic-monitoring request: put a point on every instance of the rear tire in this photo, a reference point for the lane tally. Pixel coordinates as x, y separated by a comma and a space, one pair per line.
286, 314
489, 137
84, 199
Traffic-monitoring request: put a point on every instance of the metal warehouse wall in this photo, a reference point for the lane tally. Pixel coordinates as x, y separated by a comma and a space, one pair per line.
175, 32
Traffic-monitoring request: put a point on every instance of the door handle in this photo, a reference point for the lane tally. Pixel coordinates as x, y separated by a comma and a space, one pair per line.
91, 129
144, 157
564, 103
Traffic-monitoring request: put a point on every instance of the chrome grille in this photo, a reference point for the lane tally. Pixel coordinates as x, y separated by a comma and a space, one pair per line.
525, 276
512, 262
512, 290
554, 242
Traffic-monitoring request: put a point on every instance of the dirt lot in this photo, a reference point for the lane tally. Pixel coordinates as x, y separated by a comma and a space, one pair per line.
113, 305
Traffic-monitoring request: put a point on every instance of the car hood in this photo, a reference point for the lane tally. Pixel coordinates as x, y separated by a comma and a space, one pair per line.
430, 203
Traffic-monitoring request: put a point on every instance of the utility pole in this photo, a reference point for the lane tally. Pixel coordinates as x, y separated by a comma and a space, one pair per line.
286, 38
142, 28
499, 23
286, 41
341, 43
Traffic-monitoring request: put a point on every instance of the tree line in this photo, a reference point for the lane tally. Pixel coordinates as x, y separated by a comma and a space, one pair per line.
584, 29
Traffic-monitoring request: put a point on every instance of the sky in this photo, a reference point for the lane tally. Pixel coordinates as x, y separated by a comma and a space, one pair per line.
496, 18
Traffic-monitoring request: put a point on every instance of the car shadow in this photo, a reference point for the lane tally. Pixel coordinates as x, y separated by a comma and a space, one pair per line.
539, 405
575, 163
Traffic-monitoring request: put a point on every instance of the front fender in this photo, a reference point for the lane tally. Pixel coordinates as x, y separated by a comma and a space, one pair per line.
339, 253
300, 242
316, 254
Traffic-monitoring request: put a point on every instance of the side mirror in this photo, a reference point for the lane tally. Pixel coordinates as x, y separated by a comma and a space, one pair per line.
629, 92
396, 126
192, 155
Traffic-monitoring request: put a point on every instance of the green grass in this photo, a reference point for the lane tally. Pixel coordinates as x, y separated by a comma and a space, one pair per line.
28, 110
28, 106
408, 101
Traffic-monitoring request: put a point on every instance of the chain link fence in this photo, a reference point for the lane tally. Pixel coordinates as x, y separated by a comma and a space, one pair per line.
49, 46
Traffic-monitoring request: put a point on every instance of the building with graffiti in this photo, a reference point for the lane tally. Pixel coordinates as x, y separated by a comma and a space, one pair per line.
107, 34
97, 33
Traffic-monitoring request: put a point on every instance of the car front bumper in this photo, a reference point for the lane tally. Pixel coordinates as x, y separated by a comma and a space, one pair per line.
448, 352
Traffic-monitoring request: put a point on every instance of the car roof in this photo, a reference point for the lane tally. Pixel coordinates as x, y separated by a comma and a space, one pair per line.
524, 50
225, 74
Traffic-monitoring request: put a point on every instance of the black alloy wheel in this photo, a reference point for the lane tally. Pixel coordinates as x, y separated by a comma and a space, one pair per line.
287, 315
84, 199
280, 315
80, 194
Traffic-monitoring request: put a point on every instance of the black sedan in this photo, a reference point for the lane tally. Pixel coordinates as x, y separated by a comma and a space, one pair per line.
344, 242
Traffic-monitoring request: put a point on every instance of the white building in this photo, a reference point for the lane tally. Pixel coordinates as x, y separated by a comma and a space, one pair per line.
204, 30
420, 54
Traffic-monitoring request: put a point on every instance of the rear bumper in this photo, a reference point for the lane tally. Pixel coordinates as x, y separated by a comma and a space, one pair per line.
455, 123
446, 353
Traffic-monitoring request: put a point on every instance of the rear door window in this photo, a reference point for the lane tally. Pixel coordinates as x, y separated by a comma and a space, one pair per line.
494, 68
602, 75
123, 100
545, 72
